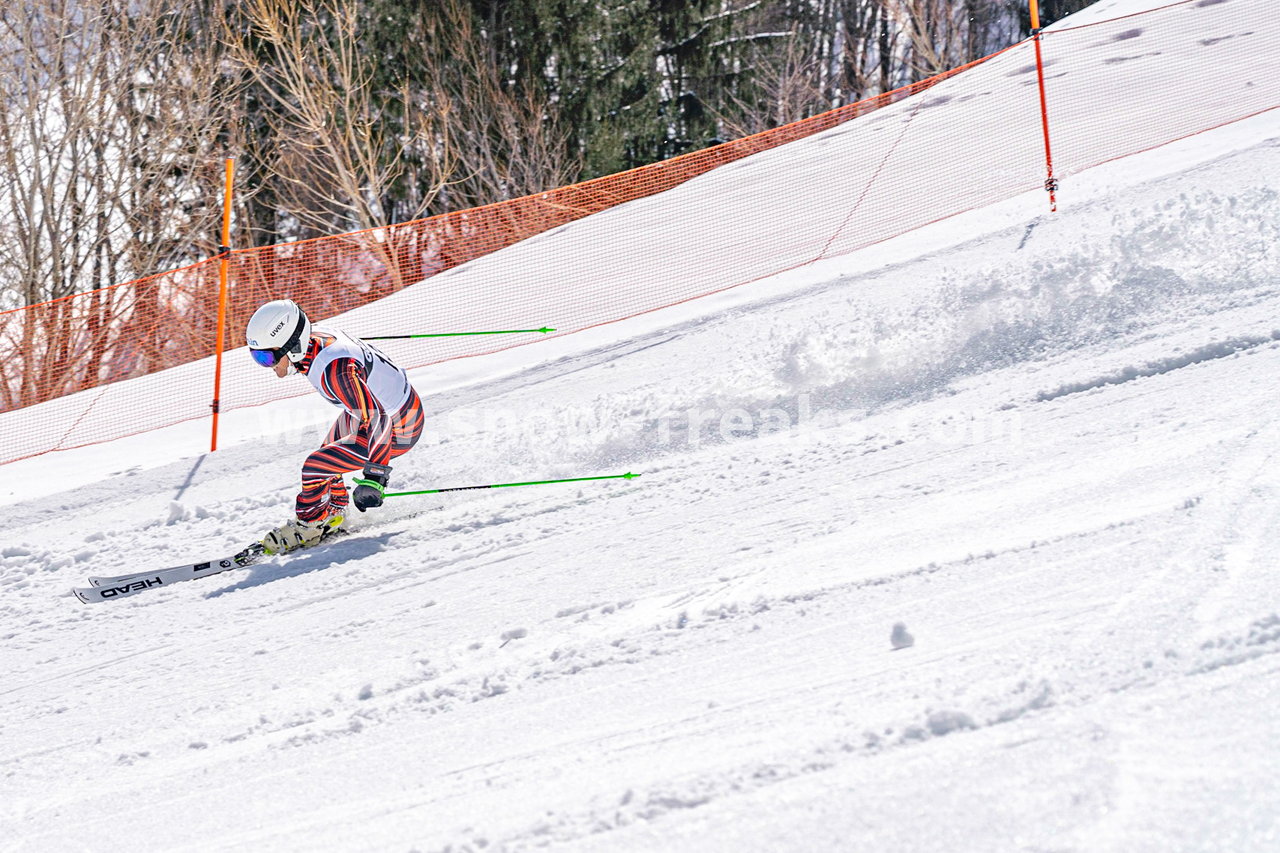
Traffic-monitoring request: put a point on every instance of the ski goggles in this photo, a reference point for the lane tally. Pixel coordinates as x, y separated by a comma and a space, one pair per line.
267, 357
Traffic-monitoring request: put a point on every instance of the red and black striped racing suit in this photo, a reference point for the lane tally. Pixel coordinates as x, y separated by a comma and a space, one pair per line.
367, 432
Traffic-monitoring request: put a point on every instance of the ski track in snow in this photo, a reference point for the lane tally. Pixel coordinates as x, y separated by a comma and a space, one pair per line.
1049, 453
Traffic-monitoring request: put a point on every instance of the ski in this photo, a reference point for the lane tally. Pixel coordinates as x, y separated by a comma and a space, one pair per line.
119, 579
116, 580
121, 586
128, 576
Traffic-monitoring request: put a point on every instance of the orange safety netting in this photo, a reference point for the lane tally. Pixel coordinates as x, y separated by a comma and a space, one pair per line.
950, 144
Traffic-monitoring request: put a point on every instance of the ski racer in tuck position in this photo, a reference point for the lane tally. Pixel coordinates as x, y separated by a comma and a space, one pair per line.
381, 419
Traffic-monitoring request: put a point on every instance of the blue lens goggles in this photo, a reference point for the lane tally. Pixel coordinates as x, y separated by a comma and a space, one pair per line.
266, 357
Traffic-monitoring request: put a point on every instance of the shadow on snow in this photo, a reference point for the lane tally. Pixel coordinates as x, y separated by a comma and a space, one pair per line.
310, 561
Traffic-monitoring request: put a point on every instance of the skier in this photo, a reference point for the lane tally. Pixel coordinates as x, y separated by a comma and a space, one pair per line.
382, 418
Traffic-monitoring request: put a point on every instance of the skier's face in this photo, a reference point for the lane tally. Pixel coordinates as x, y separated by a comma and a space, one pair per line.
281, 367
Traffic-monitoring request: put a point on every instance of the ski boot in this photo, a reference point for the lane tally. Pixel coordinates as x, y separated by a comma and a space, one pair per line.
295, 534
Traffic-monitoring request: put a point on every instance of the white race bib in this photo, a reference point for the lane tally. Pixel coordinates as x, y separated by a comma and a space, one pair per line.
388, 383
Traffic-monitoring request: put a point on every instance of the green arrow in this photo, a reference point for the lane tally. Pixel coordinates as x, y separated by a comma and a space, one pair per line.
544, 330
626, 476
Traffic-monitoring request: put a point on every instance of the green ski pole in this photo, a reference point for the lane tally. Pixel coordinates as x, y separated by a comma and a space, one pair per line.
626, 476
544, 330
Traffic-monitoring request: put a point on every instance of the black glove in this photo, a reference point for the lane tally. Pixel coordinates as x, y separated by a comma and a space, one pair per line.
370, 488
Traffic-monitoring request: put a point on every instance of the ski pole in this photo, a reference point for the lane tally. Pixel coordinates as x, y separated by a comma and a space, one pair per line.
544, 330
626, 476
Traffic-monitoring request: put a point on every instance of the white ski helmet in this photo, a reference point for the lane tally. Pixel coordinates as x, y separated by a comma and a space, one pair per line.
278, 329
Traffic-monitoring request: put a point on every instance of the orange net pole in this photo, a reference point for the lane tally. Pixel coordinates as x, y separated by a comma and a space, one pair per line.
224, 250
1050, 183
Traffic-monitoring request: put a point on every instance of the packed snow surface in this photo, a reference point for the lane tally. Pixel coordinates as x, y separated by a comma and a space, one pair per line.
969, 545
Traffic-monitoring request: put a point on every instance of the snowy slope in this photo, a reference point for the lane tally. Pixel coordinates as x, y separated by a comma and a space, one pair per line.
970, 141
1056, 464
1047, 449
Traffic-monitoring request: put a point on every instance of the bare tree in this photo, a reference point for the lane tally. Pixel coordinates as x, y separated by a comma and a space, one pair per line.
108, 138
508, 139
786, 87
791, 60
944, 34
109, 130
339, 144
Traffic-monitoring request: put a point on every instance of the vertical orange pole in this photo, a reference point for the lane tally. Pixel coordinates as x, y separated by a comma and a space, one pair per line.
1051, 183
224, 252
